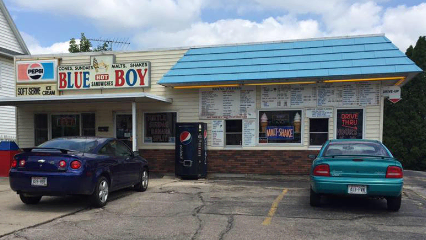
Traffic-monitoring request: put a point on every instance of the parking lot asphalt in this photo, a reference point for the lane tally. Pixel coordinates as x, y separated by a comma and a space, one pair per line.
276, 208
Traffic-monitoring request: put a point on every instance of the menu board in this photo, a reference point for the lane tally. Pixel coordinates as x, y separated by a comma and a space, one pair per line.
350, 95
218, 133
322, 112
329, 94
349, 123
277, 96
228, 102
369, 94
321, 95
249, 132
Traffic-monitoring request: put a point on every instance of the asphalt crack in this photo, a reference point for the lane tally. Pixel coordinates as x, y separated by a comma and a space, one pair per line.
228, 228
195, 213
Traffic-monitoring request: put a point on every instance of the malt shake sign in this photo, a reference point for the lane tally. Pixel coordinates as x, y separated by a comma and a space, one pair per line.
104, 73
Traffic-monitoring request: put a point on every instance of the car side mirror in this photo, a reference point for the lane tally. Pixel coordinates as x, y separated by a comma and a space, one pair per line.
136, 153
312, 156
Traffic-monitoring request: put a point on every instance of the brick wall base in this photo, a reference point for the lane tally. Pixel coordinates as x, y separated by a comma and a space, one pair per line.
238, 161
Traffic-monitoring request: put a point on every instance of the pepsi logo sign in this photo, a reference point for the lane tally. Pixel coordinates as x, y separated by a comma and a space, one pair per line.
185, 137
35, 71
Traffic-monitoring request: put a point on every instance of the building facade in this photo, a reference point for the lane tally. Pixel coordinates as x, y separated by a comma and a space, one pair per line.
267, 105
11, 44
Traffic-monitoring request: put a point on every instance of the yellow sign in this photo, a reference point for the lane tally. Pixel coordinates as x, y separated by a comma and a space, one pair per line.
36, 90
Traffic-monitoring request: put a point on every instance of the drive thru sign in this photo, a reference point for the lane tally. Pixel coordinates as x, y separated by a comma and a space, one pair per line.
393, 92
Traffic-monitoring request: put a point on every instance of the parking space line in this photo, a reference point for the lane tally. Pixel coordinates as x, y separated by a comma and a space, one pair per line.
274, 207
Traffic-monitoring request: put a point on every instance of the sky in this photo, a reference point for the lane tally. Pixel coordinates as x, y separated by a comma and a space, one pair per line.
48, 25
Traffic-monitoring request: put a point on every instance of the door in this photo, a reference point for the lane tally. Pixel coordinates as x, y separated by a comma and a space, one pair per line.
131, 167
107, 155
123, 128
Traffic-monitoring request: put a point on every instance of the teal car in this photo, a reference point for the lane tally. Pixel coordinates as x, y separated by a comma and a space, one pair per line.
356, 168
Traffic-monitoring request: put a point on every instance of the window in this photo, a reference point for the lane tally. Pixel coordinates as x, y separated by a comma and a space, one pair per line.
234, 132
318, 131
280, 126
115, 148
349, 123
81, 145
121, 150
160, 127
123, 128
355, 148
41, 132
88, 124
65, 125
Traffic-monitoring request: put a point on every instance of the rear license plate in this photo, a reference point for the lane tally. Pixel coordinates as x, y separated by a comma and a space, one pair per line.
357, 189
39, 181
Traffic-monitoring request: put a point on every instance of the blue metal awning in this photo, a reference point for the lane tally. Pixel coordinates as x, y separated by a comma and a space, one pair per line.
332, 58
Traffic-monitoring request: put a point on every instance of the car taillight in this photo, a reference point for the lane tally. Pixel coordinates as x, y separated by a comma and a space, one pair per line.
394, 172
62, 164
322, 170
22, 163
14, 163
75, 164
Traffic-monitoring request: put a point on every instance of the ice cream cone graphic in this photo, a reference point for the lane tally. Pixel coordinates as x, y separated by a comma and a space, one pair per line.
264, 122
297, 123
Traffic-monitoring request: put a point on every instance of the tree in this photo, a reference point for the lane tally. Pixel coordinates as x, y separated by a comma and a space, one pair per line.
86, 46
405, 122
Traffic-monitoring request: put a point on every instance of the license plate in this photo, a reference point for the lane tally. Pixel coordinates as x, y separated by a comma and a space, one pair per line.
357, 189
39, 181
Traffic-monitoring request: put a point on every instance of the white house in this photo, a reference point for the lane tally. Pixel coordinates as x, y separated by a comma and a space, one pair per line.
11, 44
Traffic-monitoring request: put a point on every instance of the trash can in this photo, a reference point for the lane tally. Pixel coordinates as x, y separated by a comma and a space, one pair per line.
8, 149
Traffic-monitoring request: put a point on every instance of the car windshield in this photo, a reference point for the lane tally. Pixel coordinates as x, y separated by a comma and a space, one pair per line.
352, 148
78, 144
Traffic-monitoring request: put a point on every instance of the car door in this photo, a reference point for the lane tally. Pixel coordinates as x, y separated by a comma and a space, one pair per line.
131, 166
108, 155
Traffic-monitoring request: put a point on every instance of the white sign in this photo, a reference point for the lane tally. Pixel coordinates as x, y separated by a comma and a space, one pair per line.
391, 91
104, 73
218, 133
320, 95
325, 112
227, 103
249, 132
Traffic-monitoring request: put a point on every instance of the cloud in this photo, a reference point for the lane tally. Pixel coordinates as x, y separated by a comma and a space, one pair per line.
230, 31
119, 14
35, 47
403, 25
174, 23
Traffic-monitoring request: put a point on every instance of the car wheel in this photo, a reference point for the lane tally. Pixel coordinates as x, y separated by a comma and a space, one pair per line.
315, 199
142, 186
100, 195
30, 200
394, 203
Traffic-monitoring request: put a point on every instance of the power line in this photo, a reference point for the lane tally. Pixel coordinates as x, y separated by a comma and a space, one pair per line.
117, 42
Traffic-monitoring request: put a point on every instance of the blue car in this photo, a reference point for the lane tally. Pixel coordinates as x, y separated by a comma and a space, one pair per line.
356, 168
77, 166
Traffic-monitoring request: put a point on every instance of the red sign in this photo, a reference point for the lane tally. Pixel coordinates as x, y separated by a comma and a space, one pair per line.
395, 100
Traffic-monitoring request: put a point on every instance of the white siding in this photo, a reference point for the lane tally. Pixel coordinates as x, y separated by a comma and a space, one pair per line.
7, 37
7, 89
185, 103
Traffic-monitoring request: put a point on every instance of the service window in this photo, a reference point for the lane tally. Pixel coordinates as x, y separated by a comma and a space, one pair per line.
41, 131
233, 132
88, 124
318, 131
350, 123
160, 127
280, 127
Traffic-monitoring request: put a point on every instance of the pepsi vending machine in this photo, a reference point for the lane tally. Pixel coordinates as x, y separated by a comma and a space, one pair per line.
191, 150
